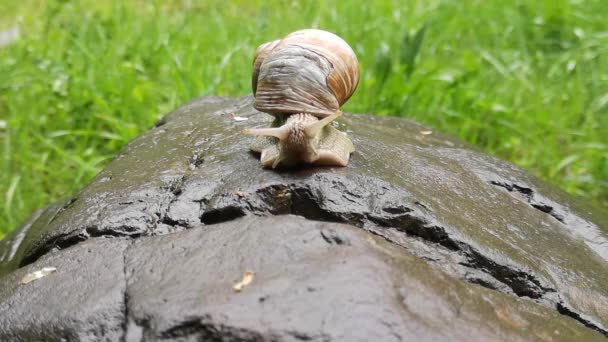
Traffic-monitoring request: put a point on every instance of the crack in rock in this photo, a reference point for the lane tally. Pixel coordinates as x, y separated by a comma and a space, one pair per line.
311, 203
564, 310
306, 201
125, 298
592, 234
520, 282
130, 218
219, 215
528, 195
62, 241
205, 329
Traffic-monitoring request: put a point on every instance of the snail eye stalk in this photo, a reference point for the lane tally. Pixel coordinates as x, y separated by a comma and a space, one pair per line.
313, 129
278, 132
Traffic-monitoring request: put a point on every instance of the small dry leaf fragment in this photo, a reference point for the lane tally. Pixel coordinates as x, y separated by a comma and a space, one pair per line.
426, 132
247, 279
28, 278
237, 118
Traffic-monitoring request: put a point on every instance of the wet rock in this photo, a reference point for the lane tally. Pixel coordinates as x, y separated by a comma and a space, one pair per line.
315, 281
83, 300
452, 221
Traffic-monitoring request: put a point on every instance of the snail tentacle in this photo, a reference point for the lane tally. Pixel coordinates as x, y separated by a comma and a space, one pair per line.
278, 132
313, 129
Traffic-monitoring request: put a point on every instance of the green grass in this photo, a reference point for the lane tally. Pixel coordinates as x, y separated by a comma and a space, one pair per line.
524, 80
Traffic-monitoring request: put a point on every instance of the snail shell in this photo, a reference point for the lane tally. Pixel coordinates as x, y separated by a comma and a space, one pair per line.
260, 54
308, 71
303, 80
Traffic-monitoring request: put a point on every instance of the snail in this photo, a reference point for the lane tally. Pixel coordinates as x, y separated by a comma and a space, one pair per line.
303, 80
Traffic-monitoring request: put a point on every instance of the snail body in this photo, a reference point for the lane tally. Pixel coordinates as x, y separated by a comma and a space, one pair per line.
303, 80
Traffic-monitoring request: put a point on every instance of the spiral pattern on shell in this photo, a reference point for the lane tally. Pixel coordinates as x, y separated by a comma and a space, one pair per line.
308, 71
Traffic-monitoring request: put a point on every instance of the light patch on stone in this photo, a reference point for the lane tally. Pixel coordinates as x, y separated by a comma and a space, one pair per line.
238, 118
30, 277
247, 279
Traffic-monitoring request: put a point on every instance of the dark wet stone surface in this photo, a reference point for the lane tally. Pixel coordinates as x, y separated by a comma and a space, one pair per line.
316, 281
82, 301
457, 230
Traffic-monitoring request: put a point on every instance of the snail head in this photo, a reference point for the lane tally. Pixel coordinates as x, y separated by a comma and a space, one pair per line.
297, 138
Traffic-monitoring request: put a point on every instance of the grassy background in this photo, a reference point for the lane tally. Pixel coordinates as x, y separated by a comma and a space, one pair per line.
524, 80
